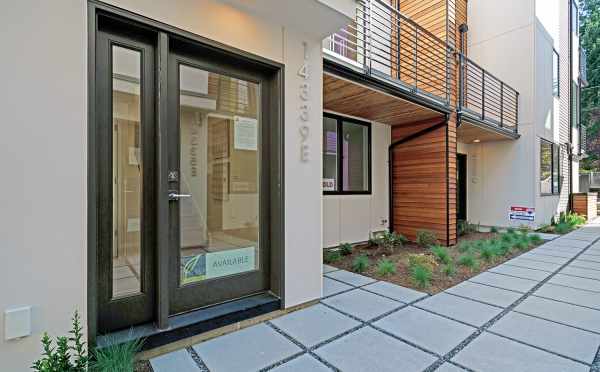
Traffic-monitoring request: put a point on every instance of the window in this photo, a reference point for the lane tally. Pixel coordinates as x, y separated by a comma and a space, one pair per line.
550, 180
574, 18
346, 156
555, 74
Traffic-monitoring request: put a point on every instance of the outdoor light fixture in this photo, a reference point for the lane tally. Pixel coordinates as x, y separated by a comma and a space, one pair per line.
476, 141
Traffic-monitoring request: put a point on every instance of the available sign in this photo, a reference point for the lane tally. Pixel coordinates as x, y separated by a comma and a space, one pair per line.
230, 262
522, 213
328, 184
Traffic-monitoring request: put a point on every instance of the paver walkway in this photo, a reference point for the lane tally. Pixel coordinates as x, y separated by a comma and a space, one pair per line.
537, 312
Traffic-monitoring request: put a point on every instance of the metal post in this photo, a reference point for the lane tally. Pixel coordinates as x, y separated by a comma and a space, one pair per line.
370, 40
501, 103
463, 29
415, 57
398, 35
482, 94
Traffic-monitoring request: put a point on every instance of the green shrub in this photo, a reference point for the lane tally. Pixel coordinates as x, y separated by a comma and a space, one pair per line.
563, 228
426, 238
465, 227
69, 354
507, 238
524, 229
332, 256
522, 243
469, 261
119, 357
504, 248
465, 246
346, 249
546, 228
391, 240
386, 267
421, 260
360, 264
441, 254
572, 219
511, 230
535, 239
449, 269
421, 276
494, 229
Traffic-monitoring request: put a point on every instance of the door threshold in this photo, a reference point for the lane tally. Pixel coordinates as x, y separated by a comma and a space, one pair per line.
195, 322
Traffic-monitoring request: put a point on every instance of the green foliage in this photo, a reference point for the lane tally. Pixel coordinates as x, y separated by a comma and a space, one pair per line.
469, 261
332, 256
390, 240
426, 238
563, 228
522, 243
421, 260
546, 228
69, 354
494, 230
441, 254
346, 249
360, 264
421, 276
465, 227
488, 252
511, 230
535, 239
465, 246
572, 219
119, 357
524, 229
386, 267
504, 248
449, 269
507, 238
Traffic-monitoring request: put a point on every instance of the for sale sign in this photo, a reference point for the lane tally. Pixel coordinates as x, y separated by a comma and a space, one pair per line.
521, 213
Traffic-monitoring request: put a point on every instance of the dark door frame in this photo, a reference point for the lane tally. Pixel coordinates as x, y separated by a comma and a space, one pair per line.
275, 85
461, 187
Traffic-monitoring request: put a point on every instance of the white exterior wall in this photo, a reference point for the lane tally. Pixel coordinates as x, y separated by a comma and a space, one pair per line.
43, 153
352, 218
517, 48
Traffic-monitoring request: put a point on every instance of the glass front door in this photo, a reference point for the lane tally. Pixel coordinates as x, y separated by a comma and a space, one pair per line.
217, 250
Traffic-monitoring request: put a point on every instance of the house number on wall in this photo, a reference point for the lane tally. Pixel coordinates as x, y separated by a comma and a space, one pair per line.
304, 106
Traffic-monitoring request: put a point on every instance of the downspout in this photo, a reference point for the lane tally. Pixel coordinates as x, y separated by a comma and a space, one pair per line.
570, 147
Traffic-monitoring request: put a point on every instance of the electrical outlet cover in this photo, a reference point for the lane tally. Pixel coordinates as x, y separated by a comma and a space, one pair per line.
17, 322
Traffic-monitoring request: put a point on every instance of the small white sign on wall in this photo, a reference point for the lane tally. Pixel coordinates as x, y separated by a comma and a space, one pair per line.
230, 262
521, 214
328, 184
245, 133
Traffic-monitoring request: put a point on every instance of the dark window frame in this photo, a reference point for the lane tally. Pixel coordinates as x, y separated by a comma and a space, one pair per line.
340, 171
555, 78
553, 147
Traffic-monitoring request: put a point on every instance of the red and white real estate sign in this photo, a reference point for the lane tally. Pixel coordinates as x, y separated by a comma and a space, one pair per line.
521, 213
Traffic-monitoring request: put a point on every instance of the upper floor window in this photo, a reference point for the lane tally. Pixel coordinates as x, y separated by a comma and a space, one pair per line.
346, 155
550, 180
555, 74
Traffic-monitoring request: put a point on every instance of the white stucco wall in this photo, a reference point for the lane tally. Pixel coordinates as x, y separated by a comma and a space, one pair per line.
352, 218
44, 146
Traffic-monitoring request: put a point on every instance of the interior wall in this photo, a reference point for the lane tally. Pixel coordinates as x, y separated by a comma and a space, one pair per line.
344, 216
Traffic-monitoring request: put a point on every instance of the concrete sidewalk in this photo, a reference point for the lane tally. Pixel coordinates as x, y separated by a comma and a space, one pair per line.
537, 312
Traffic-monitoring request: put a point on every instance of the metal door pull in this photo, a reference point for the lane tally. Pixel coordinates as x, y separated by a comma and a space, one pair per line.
176, 196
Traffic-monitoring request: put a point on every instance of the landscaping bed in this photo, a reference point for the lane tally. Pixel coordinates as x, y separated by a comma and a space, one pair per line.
427, 266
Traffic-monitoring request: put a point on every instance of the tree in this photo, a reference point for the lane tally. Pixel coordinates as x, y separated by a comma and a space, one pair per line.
590, 97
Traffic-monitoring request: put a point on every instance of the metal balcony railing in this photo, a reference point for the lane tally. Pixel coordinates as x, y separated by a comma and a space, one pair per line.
487, 98
385, 44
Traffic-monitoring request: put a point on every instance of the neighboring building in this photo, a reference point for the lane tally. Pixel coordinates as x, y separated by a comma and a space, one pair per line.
176, 166
469, 128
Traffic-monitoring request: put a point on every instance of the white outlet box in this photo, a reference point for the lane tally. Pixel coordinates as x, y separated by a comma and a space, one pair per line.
17, 323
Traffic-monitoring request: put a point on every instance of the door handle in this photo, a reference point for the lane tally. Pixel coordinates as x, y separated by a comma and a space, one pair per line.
173, 195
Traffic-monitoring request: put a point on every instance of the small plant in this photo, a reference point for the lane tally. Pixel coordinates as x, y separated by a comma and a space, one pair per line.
511, 230
488, 252
546, 228
422, 260
504, 248
465, 246
385, 267
572, 219
332, 256
390, 241
441, 254
469, 261
346, 249
494, 230
449, 269
68, 355
522, 243
507, 238
426, 238
119, 357
465, 227
524, 229
535, 239
421, 276
563, 228
360, 264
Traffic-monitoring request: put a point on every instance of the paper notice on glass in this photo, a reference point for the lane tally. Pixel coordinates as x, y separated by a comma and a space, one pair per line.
245, 133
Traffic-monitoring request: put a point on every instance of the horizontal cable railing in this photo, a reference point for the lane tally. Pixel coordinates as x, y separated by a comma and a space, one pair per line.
486, 97
386, 44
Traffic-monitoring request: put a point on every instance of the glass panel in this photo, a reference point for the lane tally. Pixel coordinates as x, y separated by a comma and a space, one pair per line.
127, 171
355, 160
546, 167
555, 74
219, 166
330, 154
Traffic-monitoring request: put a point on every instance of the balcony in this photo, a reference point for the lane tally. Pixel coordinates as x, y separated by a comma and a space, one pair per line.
487, 103
386, 45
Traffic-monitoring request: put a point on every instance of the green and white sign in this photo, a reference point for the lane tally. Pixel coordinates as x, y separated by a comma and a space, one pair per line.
230, 262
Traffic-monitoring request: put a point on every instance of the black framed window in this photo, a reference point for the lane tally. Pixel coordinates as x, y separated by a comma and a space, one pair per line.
555, 74
346, 155
550, 179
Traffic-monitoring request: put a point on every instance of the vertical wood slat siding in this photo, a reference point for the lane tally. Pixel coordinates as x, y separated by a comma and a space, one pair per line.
420, 184
586, 204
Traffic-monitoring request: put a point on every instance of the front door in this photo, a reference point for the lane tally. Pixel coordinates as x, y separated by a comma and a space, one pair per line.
217, 140
461, 187
220, 136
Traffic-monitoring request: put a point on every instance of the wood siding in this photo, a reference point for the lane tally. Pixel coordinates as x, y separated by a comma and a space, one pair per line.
420, 176
586, 204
